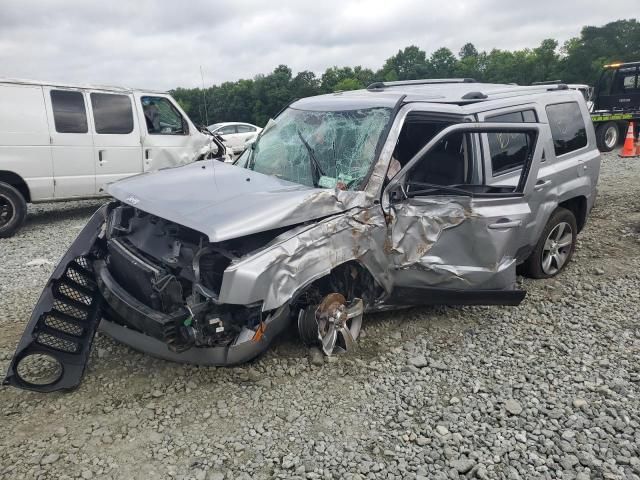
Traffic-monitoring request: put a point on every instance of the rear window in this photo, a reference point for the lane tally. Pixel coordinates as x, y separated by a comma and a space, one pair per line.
509, 150
568, 130
69, 112
112, 113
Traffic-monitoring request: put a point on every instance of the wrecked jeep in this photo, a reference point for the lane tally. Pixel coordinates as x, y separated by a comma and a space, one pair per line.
406, 193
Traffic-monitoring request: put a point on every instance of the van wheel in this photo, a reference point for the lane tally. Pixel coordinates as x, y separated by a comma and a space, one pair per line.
555, 246
607, 136
13, 210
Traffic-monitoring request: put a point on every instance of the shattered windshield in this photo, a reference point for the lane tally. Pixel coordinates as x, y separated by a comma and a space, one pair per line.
327, 149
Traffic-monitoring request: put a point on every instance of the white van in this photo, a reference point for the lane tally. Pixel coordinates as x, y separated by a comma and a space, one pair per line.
62, 142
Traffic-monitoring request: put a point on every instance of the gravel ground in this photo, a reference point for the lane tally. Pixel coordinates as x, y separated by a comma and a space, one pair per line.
549, 389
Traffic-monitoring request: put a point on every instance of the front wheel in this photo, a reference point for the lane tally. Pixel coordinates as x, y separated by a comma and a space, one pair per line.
555, 246
13, 210
607, 136
334, 324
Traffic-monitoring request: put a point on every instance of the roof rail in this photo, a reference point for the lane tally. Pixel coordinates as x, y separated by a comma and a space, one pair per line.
424, 81
548, 82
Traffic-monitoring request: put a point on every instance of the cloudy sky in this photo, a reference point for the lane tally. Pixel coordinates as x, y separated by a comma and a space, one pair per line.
155, 44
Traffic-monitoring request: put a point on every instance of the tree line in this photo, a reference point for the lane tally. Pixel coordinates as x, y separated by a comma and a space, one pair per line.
578, 60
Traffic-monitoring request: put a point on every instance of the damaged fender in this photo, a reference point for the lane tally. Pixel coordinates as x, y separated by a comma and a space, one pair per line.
277, 273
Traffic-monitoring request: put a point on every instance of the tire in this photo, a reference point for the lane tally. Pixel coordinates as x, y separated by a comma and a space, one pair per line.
538, 264
607, 136
13, 210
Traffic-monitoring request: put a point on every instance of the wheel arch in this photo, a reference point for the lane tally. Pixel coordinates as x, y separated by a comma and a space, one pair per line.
17, 182
578, 206
362, 282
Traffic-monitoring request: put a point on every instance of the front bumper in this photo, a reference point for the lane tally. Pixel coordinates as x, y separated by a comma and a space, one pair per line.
145, 329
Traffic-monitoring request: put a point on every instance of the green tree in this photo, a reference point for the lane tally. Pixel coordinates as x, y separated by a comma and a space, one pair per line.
442, 63
407, 64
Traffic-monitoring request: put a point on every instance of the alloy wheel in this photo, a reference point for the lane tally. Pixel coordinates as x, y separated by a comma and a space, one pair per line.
557, 248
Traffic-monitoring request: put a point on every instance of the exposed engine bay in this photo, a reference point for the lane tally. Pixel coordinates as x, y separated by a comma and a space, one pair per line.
176, 272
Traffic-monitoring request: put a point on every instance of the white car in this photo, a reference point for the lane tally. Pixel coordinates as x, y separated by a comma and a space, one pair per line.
236, 135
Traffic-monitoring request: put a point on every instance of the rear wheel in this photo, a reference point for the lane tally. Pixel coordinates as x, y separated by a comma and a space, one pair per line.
13, 210
555, 247
607, 136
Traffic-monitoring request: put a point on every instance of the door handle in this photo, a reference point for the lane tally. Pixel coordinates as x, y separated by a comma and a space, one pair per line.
541, 184
101, 157
505, 224
146, 153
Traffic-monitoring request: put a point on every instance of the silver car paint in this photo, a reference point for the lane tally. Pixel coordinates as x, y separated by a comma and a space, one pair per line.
419, 242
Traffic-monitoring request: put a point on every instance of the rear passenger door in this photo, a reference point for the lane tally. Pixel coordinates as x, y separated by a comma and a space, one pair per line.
116, 138
71, 143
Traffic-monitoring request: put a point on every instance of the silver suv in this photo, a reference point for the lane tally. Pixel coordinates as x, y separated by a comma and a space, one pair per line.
406, 193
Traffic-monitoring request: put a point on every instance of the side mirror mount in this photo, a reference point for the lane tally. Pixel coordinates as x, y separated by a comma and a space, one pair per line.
396, 194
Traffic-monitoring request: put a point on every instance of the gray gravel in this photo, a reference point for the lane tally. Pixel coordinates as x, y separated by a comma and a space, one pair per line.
549, 389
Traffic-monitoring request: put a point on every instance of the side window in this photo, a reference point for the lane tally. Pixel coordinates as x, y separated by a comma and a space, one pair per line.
226, 130
568, 130
162, 117
448, 163
509, 150
112, 114
245, 129
454, 166
69, 112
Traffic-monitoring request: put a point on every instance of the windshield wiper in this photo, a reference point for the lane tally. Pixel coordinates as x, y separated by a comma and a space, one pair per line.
316, 169
427, 188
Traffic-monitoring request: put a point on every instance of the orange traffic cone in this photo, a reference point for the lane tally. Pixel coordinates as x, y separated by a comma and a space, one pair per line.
629, 149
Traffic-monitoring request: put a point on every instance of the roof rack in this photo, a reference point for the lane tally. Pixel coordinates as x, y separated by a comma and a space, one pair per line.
424, 81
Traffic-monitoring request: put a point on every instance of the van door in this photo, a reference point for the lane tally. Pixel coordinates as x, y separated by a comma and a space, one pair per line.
116, 138
453, 237
168, 138
71, 143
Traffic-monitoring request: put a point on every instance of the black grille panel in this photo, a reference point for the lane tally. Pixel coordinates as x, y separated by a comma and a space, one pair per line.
57, 343
69, 309
65, 326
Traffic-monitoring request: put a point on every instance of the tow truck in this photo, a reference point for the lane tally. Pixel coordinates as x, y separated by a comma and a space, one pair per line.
616, 102
613, 103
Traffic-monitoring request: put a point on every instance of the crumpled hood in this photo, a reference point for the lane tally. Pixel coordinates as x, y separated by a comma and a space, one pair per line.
224, 201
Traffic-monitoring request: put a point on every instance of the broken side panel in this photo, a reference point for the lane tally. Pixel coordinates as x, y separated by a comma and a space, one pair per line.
457, 243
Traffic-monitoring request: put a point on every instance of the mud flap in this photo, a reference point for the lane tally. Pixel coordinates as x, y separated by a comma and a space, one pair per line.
64, 321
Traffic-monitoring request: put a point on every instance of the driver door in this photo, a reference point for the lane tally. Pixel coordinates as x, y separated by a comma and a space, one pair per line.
452, 237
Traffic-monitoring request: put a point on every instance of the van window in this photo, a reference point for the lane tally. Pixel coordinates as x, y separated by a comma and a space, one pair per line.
509, 150
112, 114
162, 117
69, 112
568, 130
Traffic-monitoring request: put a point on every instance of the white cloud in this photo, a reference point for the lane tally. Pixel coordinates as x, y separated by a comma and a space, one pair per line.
162, 44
